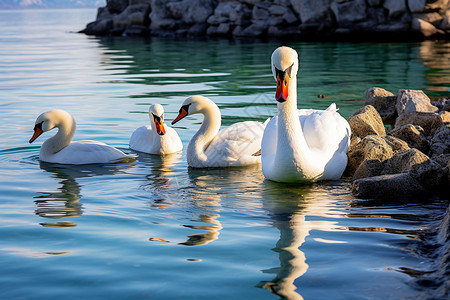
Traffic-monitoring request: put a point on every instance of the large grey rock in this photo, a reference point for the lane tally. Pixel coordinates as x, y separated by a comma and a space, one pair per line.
413, 135
395, 7
192, 11
429, 174
366, 121
101, 27
440, 143
349, 12
430, 122
413, 101
416, 5
161, 18
404, 161
116, 6
384, 102
388, 186
317, 11
133, 15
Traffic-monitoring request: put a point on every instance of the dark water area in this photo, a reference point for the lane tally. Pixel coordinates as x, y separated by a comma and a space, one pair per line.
157, 229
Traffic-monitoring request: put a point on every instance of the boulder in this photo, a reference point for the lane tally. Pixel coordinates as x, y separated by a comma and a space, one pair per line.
430, 122
384, 102
440, 143
413, 135
397, 145
366, 121
388, 186
445, 24
349, 12
429, 174
132, 15
413, 101
116, 6
442, 104
416, 5
371, 147
396, 8
191, 11
317, 11
404, 161
101, 27
425, 28
368, 168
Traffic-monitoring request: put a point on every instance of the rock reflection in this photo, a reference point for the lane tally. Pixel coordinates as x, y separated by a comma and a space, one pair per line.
287, 206
436, 57
66, 202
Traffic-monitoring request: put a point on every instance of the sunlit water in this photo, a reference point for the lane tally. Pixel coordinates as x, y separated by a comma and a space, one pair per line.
156, 229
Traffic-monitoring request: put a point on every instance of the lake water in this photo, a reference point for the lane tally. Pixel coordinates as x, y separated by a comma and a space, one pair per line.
156, 229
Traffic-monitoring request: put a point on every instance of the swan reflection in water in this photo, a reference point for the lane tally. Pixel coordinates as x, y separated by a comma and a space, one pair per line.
288, 206
65, 203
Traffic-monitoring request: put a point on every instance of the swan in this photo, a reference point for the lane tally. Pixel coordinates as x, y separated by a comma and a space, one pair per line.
304, 145
233, 146
60, 149
156, 138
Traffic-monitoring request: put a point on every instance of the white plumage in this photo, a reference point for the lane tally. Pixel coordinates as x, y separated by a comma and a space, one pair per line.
60, 148
156, 138
303, 145
231, 147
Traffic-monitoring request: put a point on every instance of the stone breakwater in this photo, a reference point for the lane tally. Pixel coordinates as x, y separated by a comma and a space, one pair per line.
281, 19
412, 157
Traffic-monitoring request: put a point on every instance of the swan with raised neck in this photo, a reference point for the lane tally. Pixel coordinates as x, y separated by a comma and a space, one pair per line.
209, 147
301, 145
60, 149
156, 138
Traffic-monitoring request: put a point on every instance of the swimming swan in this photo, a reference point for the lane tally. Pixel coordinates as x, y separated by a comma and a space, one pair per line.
301, 145
232, 146
156, 138
60, 149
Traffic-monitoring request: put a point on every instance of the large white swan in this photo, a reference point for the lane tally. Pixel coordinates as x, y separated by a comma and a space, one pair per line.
236, 145
60, 149
156, 138
301, 145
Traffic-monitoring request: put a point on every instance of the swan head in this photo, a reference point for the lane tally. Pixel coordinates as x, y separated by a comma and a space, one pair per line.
156, 114
193, 105
49, 120
284, 68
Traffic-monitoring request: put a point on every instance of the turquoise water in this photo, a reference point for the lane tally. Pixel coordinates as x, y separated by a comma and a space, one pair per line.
156, 229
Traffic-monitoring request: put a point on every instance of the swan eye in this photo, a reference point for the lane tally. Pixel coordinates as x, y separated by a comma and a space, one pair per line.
39, 125
285, 82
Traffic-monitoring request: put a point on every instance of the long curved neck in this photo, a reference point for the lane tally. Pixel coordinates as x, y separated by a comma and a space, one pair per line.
63, 138
291, 144
206, 133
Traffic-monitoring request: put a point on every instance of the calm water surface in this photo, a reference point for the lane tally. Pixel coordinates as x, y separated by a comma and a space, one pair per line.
156, 229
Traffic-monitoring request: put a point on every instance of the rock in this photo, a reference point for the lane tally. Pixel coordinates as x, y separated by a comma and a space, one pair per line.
160, 16
413, 135
101, 27
440, 143
413, 101
442, 104
388, 186
395, 7
368, 168
396, 144
132, 15
260, 13
191, 11
416, 5
371, 147
366, 121
429, 174
374, 3
116, 6
433, 17
349, 12
317, 11
403, 161
425, 28
430, 122
384, 102
254, 30
445, 24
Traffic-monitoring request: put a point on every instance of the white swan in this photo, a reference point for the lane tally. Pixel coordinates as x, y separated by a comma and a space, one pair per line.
301, 145
60, 149
233, 146
156, 138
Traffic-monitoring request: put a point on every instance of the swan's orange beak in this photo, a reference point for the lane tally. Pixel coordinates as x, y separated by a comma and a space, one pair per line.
37, 132
183, 113
160, 127
282, 92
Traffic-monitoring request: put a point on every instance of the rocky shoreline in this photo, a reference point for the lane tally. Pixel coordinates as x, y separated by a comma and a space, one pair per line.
276, 19
412, 157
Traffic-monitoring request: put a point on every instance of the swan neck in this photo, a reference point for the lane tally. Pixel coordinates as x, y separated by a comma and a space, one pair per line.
63, 138
206, 133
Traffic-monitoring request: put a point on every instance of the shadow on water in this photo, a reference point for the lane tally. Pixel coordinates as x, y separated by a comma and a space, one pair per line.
65, 203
